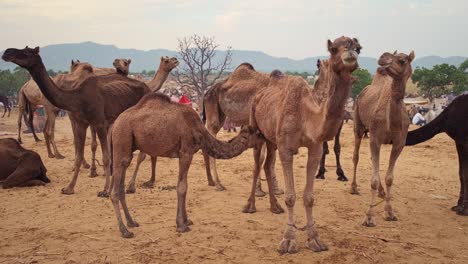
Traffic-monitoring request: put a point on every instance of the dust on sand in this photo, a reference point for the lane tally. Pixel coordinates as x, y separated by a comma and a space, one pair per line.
40, 225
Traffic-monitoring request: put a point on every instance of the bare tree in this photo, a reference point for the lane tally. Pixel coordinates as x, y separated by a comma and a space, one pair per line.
201, 68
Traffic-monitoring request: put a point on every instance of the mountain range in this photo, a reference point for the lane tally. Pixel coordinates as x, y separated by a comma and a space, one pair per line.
59, 56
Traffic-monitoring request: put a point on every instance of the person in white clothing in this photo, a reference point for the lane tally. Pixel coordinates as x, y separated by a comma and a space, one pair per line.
418, 119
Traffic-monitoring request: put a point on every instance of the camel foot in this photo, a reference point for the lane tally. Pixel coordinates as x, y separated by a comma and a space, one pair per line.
132, 223
183, 229
278, 191
59, 156
315, 245
354, 190
93, 173
342, 178
148, 185
68, 191
85, 166
288, 246
276, 209
127, 234
51, 156
211, 182
131, 188
369, 221
456, 208
390, 217
249, 208
320, 176
259, 192
188, 222
220, 187
103, 194
462, 210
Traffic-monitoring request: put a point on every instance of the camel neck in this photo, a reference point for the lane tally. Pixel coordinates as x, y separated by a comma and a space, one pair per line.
158, 80
396, 104
58, 97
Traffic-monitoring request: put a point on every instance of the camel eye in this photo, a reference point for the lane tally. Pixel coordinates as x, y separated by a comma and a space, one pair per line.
358, 50
401, 61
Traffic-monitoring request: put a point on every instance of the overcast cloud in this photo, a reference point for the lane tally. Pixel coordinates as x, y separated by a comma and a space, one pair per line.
284, 28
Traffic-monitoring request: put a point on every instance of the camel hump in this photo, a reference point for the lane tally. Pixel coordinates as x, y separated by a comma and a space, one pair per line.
277, 74
247, 65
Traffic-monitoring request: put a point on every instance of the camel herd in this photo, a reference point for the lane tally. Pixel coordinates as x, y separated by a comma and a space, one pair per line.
279, 113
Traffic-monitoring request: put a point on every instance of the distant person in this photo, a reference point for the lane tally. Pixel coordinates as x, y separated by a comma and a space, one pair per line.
418, 119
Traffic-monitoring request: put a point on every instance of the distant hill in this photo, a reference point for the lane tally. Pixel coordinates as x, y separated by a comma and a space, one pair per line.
58, 57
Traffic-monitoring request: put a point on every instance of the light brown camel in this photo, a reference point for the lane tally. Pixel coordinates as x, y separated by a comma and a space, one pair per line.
381, 111
291, 115
97, 101
30, 96
159, 127
232, 98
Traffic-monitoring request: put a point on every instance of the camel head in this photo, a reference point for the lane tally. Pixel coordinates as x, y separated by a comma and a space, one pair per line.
253, 136
81, 68
122, 65
397, 65
26, 58
344, 53
168, 64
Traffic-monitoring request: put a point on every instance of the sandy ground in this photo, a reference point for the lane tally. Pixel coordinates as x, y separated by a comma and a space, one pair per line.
40, 225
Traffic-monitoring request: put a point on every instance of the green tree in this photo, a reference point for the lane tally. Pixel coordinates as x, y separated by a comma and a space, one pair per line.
439, 80
364, 78
11, 82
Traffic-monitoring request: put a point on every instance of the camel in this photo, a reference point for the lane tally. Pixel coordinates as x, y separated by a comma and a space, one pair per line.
96, 101
232, 98
291, 115
453, 121
162, 128
30, 96
6, 105
20, 167
381, 111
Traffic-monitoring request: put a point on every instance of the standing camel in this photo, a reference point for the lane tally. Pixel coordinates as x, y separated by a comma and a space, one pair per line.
381, 111
291, 115
159, 127
6, 105
232, 98
97, 101
453, 121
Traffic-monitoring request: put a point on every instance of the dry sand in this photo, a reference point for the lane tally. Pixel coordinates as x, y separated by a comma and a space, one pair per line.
40, 225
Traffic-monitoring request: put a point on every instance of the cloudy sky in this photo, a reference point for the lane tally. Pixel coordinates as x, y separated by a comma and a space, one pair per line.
283, 28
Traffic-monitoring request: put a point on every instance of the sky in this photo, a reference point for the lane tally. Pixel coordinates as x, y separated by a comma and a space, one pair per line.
284, 28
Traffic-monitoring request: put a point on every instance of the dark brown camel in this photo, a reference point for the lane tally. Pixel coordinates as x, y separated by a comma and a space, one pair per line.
161, 128
97, 101
453, 121
20, 167
6, 105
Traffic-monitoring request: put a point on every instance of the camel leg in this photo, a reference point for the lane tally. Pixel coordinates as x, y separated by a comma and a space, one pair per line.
120, 165
45, 132
92, 171
369, 221
270, 158
31, 120
73, 123
459, 205
102, 134
337, 150
258, 185
250, 206
79, 138
182, 221
463, 153
322, 170
357, 145
313, 241
274, 179
20, 114
150, 183
209, 177
214, 172
288, 244
51, 131
130, 221
389, 214
131, 185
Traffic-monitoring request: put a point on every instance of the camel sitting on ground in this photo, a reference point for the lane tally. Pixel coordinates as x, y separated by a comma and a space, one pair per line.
97, 101
20, 167
6, 105
291, 115
232, 98
30, 96
159, 127
381, 111
453, 121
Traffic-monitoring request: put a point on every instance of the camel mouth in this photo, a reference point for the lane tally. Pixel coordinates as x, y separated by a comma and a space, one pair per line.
350, 61
8, 55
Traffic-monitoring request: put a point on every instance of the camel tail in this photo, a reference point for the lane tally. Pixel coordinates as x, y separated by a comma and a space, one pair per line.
424, 133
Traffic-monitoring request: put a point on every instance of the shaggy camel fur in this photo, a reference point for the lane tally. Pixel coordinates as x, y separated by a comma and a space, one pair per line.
97, 101
159, 127
20, 167
381, 111
30, 96
291, 115
6, 105
232, 98
453, 121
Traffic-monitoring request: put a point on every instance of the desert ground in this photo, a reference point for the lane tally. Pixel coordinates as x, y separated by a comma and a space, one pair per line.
40, 225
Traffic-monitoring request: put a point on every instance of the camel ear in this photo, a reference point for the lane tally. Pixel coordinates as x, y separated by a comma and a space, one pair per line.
162, 58
36, 50
330, 47
411, 56
72, 62
395, 52
129, 61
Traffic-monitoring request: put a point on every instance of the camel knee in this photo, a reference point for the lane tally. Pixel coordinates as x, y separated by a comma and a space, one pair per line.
389, 180
290, 199
125, 162
308, 199
337, 149
375, 183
